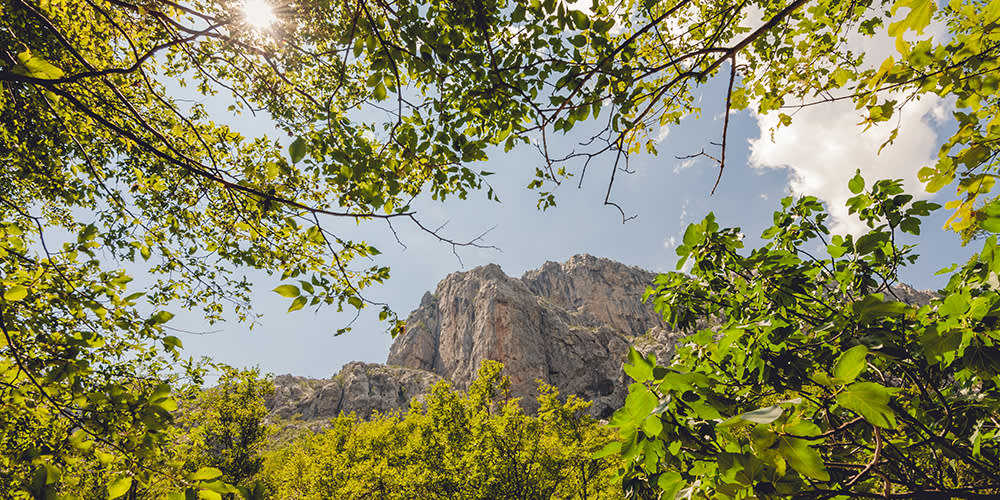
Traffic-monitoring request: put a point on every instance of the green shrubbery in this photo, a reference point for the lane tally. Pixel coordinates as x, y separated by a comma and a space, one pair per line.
476, 445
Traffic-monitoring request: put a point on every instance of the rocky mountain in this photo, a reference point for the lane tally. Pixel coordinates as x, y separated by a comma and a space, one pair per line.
567, 324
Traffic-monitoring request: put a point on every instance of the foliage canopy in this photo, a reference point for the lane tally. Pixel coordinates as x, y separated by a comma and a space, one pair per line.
814, 379
110, 156
477, 445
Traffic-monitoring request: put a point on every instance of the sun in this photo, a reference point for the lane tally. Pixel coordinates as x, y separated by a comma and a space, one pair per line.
259, 14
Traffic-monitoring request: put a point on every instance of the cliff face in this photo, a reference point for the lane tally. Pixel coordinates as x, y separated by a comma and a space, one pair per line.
567, 324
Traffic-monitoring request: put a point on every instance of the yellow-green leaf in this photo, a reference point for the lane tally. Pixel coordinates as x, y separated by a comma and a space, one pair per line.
119, 487
15, 293
290, 291
209, 495
297, 304
871, 401
205, 474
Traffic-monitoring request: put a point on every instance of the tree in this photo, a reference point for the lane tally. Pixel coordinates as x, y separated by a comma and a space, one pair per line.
478, 445
225, 428
107, 161
813, 379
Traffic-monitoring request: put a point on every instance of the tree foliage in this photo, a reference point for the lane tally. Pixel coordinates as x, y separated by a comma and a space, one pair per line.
813, 379
118, 147
477, 445
224, 429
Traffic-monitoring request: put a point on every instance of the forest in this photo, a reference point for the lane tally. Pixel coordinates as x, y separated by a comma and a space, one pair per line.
130, 194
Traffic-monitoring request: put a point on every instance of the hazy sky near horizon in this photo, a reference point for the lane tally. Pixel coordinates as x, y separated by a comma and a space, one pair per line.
816, 155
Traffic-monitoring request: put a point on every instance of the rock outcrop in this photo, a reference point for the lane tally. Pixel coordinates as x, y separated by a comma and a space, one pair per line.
566, 324
361, 388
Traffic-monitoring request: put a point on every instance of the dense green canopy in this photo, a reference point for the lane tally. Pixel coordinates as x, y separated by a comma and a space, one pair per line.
473, 446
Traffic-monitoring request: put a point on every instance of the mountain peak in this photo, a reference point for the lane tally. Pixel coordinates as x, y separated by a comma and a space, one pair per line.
568, 324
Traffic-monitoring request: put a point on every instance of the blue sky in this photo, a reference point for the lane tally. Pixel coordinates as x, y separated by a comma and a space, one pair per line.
819, 152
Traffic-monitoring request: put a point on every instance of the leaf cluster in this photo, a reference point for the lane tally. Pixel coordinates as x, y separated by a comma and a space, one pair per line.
816, 376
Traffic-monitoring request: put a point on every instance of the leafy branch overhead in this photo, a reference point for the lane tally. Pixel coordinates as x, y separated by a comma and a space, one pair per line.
814, 379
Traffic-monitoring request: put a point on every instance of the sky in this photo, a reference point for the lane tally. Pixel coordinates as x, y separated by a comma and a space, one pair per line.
816, 155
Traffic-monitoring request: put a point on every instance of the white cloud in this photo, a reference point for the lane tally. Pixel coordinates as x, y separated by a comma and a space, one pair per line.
824, 144
664, 132
684, 165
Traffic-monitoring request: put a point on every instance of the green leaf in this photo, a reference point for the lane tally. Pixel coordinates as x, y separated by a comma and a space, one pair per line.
652, 426
763, 437
271, 170
209, 495
171, 341
290, 291
990, 224
297, 150
102, 457
37, 67
379, 92
639, 403
850, 364
52, 473
940, 347
751, 469
15, 293
840, 76
693, 235
356, 302
638, 367
609, 449
297, 304
205, 474
161, 317
804, 459
119, 487
167, 404
759, 416
857, 183
670, 483
871, 401
917, 19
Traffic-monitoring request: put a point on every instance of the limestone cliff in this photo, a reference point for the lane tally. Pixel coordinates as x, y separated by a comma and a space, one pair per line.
566, 324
